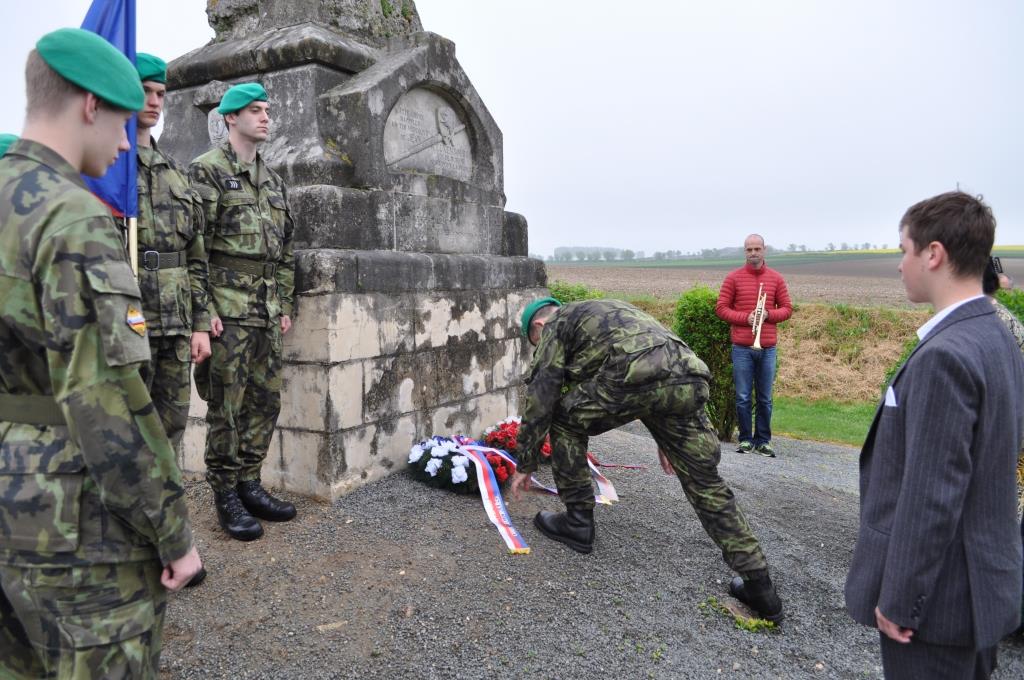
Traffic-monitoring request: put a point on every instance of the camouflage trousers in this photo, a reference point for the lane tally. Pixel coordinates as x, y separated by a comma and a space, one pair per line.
675, 416
167, 377
100, 621
241, 383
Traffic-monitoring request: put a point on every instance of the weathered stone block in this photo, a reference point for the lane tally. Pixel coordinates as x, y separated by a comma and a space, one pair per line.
453, 317
304, 397
514, 235
398, 384
470, 417
298, 457
193, 448
345, 396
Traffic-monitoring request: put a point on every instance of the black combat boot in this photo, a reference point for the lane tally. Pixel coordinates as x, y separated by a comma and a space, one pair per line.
574, 527
234, 518
759, 594
261, 504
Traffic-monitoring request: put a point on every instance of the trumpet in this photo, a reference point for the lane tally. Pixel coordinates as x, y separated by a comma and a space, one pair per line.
759, 314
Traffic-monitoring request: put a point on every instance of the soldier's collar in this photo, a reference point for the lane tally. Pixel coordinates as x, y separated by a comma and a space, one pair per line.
44, 155
238, 167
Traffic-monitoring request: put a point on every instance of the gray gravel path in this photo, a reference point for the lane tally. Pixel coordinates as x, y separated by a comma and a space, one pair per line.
399, 580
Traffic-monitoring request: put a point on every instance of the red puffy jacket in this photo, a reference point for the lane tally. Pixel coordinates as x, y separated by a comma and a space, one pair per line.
738, 297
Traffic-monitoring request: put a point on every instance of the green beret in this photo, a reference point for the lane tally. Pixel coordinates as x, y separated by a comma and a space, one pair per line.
92, 63
6, 140
240, 96
151, 68
532, 309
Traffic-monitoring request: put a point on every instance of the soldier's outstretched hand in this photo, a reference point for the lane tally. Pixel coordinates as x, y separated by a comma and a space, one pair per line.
666, 465
179, 572
520, 485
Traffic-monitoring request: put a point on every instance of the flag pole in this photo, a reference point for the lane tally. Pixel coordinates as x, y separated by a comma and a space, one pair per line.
133, 244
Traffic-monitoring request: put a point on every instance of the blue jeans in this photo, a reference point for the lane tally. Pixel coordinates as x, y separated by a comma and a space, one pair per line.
753, 371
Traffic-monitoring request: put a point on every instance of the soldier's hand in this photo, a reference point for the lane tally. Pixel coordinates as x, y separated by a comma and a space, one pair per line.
179, 572
666, 466
286, 323
216, 326
200, 346
520, 485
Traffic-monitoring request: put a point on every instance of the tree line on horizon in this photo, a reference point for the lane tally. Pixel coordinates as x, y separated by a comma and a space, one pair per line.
597, 254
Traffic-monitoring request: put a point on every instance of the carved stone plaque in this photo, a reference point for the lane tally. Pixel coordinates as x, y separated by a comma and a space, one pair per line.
424, 133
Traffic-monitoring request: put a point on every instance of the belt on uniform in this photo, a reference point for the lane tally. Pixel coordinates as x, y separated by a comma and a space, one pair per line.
244, 265
153, 260
30, 409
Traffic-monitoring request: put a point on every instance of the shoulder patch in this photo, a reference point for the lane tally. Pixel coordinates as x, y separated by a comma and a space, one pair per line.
232, 184
135, 320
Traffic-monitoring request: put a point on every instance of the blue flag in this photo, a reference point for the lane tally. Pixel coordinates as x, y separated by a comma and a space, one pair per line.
115, 21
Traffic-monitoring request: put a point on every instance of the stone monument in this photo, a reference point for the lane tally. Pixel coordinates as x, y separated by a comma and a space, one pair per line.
410, 275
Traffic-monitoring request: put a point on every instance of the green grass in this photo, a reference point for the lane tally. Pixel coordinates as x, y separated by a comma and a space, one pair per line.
824, 421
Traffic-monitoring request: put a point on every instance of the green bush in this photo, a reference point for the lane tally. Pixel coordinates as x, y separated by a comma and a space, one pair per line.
708, 336
1012, 300
573, 292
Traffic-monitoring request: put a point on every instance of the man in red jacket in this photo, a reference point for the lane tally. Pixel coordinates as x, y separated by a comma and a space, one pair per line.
753, 370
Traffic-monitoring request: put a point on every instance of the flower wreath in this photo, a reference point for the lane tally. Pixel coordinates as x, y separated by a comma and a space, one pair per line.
505, 435
439, 463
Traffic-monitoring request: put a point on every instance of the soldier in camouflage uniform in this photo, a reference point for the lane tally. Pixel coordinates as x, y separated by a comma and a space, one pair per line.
172, 263
601, 364
93, 523
249, 243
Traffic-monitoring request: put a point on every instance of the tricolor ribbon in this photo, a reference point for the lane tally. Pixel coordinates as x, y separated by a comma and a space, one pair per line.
494, 505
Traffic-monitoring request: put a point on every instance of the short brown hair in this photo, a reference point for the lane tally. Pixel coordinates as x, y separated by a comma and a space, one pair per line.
46, 91
962, 223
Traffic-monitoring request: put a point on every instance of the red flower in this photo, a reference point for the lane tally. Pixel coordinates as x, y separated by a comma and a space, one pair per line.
502, 474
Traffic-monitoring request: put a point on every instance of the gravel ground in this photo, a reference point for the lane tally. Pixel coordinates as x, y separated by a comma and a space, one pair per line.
400, 580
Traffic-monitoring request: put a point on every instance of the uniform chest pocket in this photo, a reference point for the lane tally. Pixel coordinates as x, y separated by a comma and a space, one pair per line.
239, 214
181, 207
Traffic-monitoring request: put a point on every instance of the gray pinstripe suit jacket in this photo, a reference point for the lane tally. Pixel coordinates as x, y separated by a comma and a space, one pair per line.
939, 547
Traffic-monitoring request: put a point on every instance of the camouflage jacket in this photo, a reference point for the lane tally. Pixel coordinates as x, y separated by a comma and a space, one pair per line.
604, 348
246, 209
104, 486
174, 300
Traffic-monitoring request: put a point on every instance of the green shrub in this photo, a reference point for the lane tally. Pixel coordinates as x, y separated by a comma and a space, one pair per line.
708, 336
1012, 300
573, 292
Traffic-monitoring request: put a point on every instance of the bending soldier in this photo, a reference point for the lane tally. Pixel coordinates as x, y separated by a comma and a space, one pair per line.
249, 242
601, 364
93, 523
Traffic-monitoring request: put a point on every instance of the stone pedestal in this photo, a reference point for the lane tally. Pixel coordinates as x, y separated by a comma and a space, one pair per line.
410, 275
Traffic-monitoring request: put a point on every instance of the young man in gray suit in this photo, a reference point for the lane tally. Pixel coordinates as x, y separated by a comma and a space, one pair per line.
937, 563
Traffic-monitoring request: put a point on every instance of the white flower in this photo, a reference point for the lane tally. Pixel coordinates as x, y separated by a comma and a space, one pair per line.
459, 474
462, 461
415, 453
439, 451
433, 466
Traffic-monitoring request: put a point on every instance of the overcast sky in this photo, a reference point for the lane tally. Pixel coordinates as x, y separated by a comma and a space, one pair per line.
681, 125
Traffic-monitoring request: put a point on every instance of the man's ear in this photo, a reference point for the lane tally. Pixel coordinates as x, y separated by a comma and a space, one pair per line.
937, 255
90, 107
229, 119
